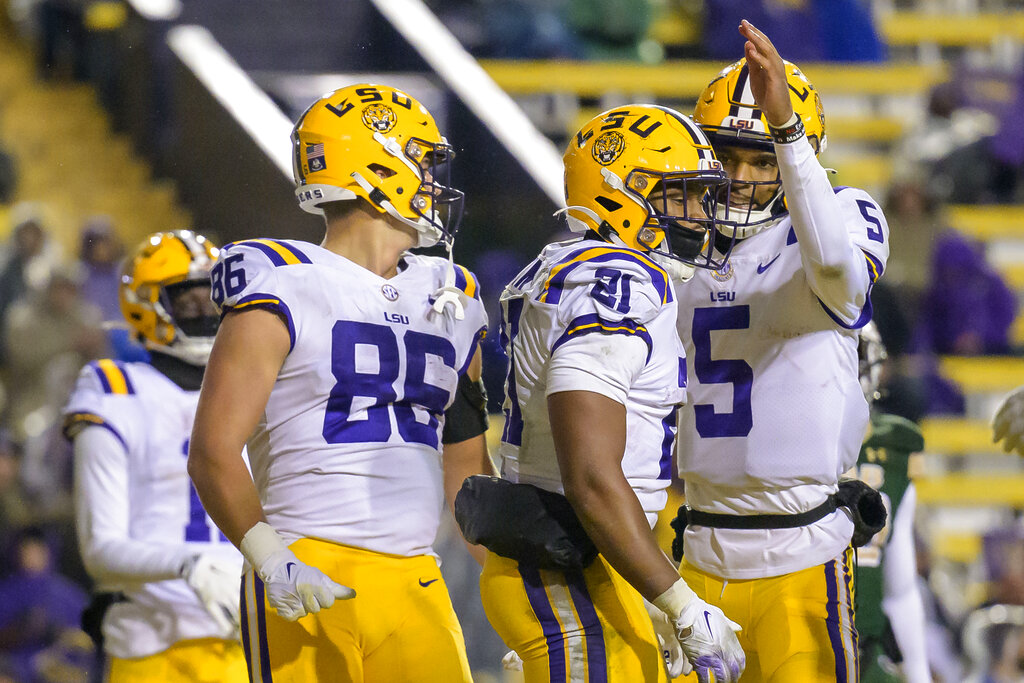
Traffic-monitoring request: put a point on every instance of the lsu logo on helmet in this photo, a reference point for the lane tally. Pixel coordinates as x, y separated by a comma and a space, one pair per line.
608, 147
379, 117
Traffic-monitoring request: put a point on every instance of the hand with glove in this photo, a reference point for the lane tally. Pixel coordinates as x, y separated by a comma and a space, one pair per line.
1008, 423
293, 588
707, 637
216, 581
675, 661
511, 661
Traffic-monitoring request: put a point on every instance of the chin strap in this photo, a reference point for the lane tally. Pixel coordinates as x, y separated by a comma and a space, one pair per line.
427, 235
449, 293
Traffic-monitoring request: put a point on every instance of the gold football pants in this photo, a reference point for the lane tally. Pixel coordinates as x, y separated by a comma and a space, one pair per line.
574, 627
400, 626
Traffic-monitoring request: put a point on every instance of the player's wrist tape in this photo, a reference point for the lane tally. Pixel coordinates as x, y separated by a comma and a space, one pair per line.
790, 131
259, 543
674, 600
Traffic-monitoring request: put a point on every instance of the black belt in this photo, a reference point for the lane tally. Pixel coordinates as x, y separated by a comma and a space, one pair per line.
716, 521
688, 516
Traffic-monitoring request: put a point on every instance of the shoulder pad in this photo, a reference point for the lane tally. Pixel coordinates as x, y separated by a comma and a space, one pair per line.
278, 252
593, 263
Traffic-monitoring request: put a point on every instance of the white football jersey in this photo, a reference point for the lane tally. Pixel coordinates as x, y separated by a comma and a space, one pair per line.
141, 508
588, 315
349, 446
776, 411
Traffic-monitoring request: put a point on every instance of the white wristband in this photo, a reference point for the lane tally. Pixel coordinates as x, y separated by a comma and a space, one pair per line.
673, 601
259, 543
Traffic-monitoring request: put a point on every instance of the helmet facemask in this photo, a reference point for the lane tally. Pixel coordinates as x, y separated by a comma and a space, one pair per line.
185, 307
684, 215
744, 214
871, 356
436, 202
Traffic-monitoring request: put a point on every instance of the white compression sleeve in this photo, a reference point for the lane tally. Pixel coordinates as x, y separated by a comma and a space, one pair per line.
902, 601
836, 268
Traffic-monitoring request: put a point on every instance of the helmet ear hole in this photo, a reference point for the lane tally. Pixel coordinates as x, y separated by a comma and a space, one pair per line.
608, 204
382, 171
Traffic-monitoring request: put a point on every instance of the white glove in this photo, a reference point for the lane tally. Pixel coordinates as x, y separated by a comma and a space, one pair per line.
675, 661
1008, 423
293, 588
707, 637
511, 661
217, 583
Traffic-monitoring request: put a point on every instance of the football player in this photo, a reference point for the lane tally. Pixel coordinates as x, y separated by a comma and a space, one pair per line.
776, 413
890, 612
337, 363
170, 579
595, 374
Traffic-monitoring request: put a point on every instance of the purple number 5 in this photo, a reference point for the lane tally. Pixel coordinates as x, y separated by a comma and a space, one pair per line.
736, 372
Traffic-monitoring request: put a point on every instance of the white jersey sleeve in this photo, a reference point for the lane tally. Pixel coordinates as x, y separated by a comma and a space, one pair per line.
103, 517
902, 601
842, 234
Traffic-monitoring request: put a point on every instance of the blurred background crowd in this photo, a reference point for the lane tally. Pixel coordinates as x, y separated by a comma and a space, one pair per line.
924, 101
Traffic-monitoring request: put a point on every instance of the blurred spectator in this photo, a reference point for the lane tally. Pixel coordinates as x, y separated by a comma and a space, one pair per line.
912, 209
38, 608
610, 29
8, 177
100, 253
510, 29
967, 308
14, 509
63, 38
994, 639
942, 647
1004, 565
29, 256
49, 336
802, 30
967, 146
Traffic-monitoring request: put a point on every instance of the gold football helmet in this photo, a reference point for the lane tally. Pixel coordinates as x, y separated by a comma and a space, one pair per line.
162, 266
377, 143
726, 111
646, 176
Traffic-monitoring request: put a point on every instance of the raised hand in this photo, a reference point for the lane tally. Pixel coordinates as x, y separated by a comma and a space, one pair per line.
767, 76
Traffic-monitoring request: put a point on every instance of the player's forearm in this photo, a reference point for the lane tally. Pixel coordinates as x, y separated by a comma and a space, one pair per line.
589, 430
614, 520
125, 560
464, 459
226, 490
835, 267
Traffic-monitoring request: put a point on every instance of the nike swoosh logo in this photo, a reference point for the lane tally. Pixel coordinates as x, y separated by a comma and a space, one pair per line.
427, 583
761, 267
707, 614
288, 569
